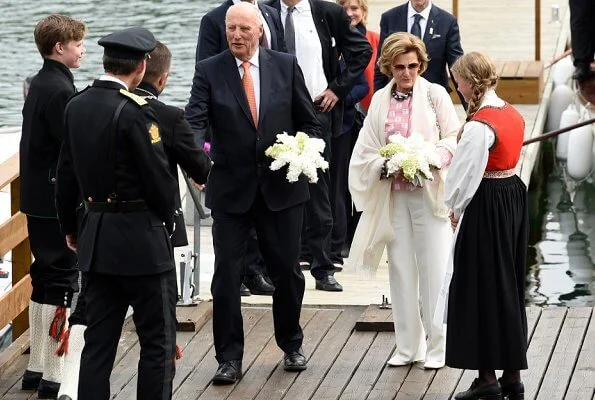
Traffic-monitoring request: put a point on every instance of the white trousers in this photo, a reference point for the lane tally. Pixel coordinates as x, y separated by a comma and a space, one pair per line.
417, 260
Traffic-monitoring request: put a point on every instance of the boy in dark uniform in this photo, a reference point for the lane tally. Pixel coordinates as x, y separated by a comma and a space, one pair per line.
113, 156
54, 276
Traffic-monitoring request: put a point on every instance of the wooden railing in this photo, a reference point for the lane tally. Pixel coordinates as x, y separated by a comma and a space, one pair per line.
14, 236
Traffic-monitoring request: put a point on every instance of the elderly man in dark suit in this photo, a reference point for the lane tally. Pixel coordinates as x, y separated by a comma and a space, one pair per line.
437, 28
247, 95
319, 33
212, 41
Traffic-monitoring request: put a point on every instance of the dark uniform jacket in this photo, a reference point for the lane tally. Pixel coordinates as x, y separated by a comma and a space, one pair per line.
441, 37
237, 149
118, 243
338, 37
41, 138
181, 148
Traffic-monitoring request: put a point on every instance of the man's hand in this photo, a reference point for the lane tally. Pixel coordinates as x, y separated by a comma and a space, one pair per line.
326, 100
453, 221
71, 242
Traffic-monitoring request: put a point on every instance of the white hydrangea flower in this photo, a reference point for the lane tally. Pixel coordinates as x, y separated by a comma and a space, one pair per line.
301, 153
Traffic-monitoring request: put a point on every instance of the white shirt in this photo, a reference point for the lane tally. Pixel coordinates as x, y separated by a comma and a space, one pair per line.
423, 22
113, 79
265, 26
255, 72
308, 49
470, 160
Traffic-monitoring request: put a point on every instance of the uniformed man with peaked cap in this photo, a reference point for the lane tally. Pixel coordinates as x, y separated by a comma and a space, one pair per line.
113, 158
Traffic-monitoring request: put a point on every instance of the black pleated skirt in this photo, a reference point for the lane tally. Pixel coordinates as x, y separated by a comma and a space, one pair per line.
487, 323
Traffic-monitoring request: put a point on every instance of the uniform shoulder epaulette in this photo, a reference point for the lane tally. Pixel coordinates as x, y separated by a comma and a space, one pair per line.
136, 98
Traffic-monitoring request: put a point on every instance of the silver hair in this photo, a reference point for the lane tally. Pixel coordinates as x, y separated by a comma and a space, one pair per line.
249, 8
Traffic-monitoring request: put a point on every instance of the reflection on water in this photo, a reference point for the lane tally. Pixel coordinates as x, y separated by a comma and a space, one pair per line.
561, 270
174, 22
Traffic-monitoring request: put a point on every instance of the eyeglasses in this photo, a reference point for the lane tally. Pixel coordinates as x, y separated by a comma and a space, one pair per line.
410, 67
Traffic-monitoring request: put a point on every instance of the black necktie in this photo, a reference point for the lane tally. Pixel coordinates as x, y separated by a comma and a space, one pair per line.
416, 27
290, 31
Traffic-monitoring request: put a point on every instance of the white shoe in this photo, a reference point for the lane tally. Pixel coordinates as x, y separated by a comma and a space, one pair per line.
433, 364
399, 361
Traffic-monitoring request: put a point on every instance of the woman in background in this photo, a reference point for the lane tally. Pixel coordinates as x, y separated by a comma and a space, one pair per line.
487, 325
358, 12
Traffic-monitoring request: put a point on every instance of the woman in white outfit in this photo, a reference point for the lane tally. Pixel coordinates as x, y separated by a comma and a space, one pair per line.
411, 221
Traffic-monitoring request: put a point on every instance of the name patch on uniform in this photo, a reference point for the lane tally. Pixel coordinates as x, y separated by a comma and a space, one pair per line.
154, 133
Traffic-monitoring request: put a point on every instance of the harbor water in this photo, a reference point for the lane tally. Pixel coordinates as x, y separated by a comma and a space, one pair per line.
560, 268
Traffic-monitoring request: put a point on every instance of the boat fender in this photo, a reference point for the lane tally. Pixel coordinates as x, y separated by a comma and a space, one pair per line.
580, 148
569, 117
562, 72
560, 98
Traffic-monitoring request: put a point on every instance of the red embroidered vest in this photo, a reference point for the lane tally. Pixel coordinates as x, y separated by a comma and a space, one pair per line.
509, 129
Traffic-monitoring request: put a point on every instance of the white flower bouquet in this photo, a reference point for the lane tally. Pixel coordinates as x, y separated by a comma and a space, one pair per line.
301, 153
413, 156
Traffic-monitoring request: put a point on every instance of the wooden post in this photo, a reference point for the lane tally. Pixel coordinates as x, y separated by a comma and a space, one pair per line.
537, 30
21, 261
455, 8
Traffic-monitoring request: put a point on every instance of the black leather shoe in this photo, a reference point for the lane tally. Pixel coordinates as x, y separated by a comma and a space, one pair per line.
483, 392
48, 389
31, 380
583, 74
295, 360
328, 284
229, 372
64, 397
244, 291
512, 390
259, 285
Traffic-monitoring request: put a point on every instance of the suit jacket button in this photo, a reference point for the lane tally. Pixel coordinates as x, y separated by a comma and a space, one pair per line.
53, 180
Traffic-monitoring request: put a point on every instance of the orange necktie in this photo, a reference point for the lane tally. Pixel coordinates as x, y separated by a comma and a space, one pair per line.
248, 85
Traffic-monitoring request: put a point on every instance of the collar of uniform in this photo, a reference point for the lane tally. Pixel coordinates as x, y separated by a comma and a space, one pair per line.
48, 63
303, 5
253, 60
113, 79
425, 13
147, 90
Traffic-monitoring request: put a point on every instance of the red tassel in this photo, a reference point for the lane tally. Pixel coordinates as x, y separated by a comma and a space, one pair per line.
58, 323
63, 345
178, 354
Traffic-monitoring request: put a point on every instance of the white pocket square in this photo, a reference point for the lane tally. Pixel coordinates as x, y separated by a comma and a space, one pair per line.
333, 43
436, 36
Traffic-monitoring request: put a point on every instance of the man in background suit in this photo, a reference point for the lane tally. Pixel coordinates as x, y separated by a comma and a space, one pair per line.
212, 41
247, 95
318, 33
437, 28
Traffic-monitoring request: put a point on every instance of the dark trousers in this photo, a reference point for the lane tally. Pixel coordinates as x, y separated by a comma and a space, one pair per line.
254, 261
153, 298
278, 237
340, 204
318, 217
54, 274
582, 29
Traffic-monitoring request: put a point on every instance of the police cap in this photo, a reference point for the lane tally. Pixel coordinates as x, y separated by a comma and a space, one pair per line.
130, 43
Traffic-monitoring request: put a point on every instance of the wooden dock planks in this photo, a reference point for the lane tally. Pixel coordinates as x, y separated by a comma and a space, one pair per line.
351, 365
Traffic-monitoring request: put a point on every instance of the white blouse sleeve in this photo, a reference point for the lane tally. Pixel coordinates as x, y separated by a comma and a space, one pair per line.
468, 165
